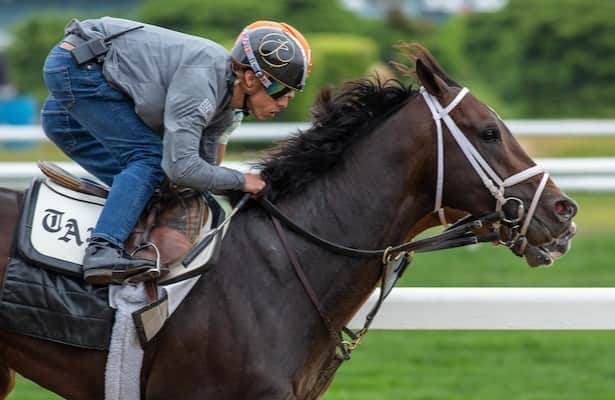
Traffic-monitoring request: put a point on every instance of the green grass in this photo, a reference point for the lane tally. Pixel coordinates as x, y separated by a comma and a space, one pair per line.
479, 365
27, 390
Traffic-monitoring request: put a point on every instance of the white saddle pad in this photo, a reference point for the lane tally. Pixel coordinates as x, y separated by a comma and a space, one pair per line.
58, 222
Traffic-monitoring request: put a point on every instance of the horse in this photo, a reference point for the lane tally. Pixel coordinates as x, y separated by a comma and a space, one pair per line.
376, 167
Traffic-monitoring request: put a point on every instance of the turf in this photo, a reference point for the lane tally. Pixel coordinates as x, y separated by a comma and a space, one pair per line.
27, 390
479, 365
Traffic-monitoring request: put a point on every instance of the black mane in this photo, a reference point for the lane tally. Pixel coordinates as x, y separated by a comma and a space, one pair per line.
338, 121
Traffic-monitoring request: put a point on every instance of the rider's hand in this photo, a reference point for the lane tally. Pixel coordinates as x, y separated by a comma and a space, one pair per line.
253, 183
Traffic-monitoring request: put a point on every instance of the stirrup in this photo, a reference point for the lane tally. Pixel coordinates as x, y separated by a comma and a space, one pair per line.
151, 274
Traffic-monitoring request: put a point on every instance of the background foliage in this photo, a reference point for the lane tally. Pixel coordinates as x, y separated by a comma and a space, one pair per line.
548, 58
530, 59
27, 58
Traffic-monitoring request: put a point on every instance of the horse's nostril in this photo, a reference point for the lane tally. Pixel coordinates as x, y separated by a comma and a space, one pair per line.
565, 209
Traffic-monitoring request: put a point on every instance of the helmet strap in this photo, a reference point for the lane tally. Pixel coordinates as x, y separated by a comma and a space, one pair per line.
244, 107
247, 49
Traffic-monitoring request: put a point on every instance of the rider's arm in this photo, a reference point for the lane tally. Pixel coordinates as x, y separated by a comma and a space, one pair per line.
190, 105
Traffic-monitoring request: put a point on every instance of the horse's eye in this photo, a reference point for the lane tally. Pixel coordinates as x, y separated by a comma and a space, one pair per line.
490, 134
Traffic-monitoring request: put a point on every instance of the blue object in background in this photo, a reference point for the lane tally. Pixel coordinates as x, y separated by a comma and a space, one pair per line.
19, 110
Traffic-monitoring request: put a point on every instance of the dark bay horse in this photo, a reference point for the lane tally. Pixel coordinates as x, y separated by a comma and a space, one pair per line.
365, 175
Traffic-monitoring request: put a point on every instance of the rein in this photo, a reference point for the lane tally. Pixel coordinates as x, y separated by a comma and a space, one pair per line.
456, 236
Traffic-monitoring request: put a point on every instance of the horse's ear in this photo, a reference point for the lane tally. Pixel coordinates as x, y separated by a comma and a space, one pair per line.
432, 83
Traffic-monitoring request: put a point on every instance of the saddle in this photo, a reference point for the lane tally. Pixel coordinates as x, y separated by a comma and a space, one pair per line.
171, 222
167, 229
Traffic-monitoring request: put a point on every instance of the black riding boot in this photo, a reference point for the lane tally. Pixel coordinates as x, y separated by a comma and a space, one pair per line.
106, 263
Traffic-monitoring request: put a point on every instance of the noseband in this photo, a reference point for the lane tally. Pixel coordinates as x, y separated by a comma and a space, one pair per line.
488, 176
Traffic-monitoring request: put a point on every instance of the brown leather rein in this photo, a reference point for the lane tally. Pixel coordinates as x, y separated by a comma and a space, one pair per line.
455, 236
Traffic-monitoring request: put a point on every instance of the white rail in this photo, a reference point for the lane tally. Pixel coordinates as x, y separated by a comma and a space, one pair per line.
495, 309
251, 132
571, 174
556, 166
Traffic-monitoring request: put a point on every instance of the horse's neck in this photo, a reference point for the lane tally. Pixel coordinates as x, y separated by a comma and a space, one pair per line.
371, 204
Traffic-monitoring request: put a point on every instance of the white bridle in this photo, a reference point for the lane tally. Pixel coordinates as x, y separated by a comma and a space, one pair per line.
489, 177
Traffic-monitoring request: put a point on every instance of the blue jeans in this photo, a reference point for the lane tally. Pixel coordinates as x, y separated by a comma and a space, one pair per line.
96, 126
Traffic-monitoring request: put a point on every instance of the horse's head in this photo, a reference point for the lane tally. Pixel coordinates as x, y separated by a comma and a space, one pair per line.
481, 168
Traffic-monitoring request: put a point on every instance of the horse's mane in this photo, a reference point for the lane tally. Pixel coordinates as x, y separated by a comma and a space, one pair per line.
338, 120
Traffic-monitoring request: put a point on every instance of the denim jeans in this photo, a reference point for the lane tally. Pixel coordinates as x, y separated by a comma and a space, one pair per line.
96, 125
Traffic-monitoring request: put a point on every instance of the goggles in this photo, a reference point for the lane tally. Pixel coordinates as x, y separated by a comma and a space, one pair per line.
277, 89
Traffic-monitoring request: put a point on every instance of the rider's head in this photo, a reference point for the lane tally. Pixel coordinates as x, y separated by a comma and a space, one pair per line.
277, 53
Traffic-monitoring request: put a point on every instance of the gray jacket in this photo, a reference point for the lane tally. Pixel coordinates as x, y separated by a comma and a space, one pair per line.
181, 86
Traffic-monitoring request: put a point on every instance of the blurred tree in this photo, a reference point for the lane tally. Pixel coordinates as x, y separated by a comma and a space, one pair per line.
548, 58
222, 22
26, 57
62, 3
207, 18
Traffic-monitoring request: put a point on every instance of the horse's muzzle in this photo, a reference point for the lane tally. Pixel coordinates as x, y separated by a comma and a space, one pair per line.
546, 254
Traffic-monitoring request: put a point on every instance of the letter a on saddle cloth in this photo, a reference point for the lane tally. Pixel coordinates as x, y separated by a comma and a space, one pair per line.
176, 230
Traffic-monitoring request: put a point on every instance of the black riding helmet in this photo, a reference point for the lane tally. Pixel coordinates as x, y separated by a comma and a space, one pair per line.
277, 53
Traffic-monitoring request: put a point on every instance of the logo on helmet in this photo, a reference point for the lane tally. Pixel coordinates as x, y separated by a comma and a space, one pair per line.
277, 50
